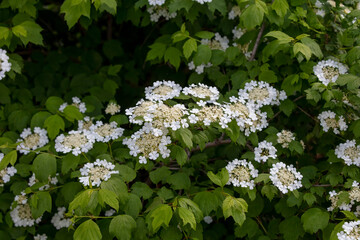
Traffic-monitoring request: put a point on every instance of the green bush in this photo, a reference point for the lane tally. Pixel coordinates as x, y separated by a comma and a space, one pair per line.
238, 119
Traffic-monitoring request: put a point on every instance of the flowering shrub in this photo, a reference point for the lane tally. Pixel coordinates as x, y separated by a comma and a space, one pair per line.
179, 119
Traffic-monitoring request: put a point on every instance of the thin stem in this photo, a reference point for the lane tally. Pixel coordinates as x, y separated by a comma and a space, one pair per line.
262, 226
85, 157
316, 120
111, 154
93, 216
257, 42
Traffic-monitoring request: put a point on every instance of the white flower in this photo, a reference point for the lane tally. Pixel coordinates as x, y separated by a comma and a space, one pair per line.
6, 173
112, 108
21, 199
40, 237
202, 1
285, 137
51, 180
199, 69
264, 151
143, 110
95, 173
156, 2
21, 215
234, 12
59, 220
85, 124
328, 71
208, 219
207, 114
32, 141
5, 66
349, 152
77, 103
76, 142
219, 43
110, 212
329, 120
237, 32
105, 132
162, 90
156, 12
334, 197
202, 91
241, 173
351, 231
285, 178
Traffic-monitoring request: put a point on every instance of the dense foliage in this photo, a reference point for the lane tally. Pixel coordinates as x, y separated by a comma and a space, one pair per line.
238, 119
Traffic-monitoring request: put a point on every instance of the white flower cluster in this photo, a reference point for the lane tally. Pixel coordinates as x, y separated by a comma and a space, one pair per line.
206, 114
319, 8
238, 32
241, 173
21, 215
202, 91
329, 120
198, 69
285, 137
244, 48
141, 112
351, 231
95, 173
148, 144
77, 103
40, 237
6, 173
349, 152
5, 66
264, 151
59, 220
109, 213
51, 180
334, 198
234, 12
202, 1
85, 124
104, 132
162, 90
112, 108
285, 177
354, 198
156, 12
208, 219
30, 141
328, 71
156, 2
76, 142
220, 43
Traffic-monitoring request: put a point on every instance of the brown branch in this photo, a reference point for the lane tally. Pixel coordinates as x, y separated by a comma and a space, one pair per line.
257, 42
307, 114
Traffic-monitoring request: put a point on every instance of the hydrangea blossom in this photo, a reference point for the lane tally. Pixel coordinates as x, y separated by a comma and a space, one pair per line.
77, 103
260, 94
349, 152
147, 144
207, 114
105, 132
6, 173
264, 151
329, 120
285, 137
257, 125
76, 142
162, 90
141, 112
328, 71
59, 220
95, 173
351, 231
112, 108
285, 178
5, 65
200, 68
85, 124
21, 215
241, 173
202, 91
30, 141
156, 12
219, 42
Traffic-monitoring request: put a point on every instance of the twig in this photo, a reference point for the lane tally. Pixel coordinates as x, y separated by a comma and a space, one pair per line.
307, 114
109, 27
257, 42
215, 143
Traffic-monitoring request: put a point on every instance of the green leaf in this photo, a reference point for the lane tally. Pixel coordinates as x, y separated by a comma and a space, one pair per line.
291, 228
179, 154
302, 48
280, 6
352, 55
29, 31
53, 125
203, 55
179, 181
53, 104
269, 191
207, 202
122, 226
38, 119
185, 137
219, 5
72, 113
108, 197
160, 174
11, 158
282, 37
315, 219
116, 185
309, 198
88, 230
235, 207
107, 5
157, 50
187, 217
221, 178
287, 106
189, 47
314, 47
4, 33
160, 216
173, 56
126, 173
39, 203
296, 146
205, 34
252, 16
177, 5
69, 161
74, 9
338, 228
142, 190
44, 165
133, 206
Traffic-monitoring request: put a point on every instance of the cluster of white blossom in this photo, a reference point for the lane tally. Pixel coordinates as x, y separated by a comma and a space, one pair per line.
21, 215
328, 71
112, 108
285, 177
264, 151
320, 11
156, 12
219, 42
104, 132
208, 219
241, 173
40, 237
51, 180
329, 120
6, 173
141, 112
354, 200
77, 103
234, 12
85, 124
238, 32
351, 231
95, 173
203, 1
162, 90
156, 2
198, 69
30, 141
5, 65
334, 198
59, 220
349, 152
206, 115
76, 142
285, 137
202, 91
